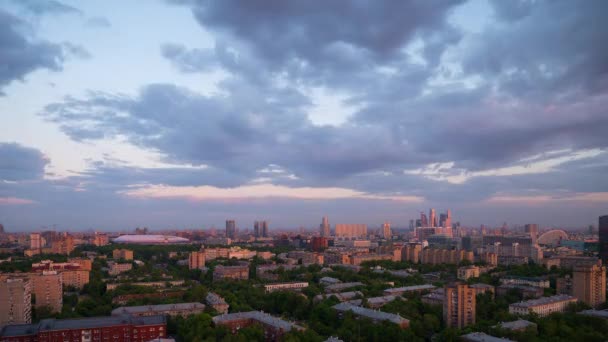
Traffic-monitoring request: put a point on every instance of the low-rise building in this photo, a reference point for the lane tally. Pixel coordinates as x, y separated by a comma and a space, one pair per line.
240, 272
526, 291
109, 328
329, 281
397, 291
341, 296
375, 315
179, 309
217, 303
482, 288
482, 337
542, 306
285, 286
342, 286
116, 268
467, 272
519, 325
123, 254
525, 281
274, 328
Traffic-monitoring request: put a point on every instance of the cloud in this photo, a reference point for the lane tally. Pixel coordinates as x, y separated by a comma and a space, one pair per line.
15, 201
18, 162
202, 193
20, 55
46, 7
98, 22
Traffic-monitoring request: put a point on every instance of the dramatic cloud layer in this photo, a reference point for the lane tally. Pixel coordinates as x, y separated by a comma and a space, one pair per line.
510, 113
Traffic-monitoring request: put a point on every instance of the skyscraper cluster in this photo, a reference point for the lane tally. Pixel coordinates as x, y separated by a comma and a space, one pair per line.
443, 220
260, 229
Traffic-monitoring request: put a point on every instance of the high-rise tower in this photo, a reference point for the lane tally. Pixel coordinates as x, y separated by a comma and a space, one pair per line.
603, 229
324, 227
230, 229
432, 218
386, 230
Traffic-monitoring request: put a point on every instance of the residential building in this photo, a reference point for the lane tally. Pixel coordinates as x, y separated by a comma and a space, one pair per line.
482, 337
179, 309
196, 260
482, 288
445, 256
285, 286
411, 253
75, 278
542, 306
526, 281
260, 229
518, 325
526, 291
116, 268
123, 254
101, 239
386, 231
217, 303
340, 296
351, 231
319, 243
589, 284
15, 301
342, 286
274, 328
467, 272
48, 290
397, 291
459, 306
107, 328
375, 315
360, 258
231, 272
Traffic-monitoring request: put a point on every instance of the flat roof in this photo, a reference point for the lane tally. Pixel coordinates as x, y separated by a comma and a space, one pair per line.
373, 314
411, 288
79, 323
595, 313
519, 324
258, 316
544, 300
483, 337
157, 308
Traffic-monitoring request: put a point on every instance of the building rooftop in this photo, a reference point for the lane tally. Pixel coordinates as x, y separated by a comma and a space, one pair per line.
79, 323
257, 316
410, 288
482, 337
369, 313
524, 278
157, 308
481, 286
329, 280
214, 299
380, 300
544, 300
341, 286
516, 325
595, 313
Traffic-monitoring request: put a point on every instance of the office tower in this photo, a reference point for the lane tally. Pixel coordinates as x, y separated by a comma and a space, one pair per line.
442, 219
1, 229
256, 229
324, 227
386, 230
351, 231
448, 219
418, 223
603, 229
48, 290
411, 225
265, 229
589, 284
432, 218
532, 230
15, 301
196, 260
424, 222
459, 306
231, 229
35, 241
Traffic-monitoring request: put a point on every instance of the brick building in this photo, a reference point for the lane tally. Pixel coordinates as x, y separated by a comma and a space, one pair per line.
274, 328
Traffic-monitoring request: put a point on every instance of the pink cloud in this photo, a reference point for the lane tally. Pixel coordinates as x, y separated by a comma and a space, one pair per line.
15, 201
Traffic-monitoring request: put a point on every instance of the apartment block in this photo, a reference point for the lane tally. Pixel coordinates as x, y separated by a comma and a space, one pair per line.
459, 306
15, 301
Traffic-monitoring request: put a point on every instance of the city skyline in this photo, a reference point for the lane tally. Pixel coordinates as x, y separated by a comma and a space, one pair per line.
369, 112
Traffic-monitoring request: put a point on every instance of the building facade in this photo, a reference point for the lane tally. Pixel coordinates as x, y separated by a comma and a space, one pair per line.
48, 290
196, 260
589, 284
15, 301
542, 306
459, 306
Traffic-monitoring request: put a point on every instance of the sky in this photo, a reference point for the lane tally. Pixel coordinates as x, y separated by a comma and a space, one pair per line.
184, 113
